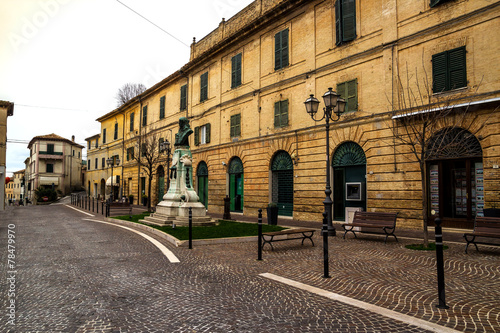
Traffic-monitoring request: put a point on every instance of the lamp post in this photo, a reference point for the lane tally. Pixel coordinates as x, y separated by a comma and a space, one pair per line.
334, 107
111, 163
165, 148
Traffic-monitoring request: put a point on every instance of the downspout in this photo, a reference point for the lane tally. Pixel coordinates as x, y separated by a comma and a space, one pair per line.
123, 154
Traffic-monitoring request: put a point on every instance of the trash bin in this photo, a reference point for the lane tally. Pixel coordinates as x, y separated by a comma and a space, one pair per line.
272, 214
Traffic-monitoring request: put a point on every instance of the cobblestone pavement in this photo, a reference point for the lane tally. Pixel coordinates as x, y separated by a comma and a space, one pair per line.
74, 275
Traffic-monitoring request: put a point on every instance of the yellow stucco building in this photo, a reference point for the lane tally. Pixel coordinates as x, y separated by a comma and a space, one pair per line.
244, 88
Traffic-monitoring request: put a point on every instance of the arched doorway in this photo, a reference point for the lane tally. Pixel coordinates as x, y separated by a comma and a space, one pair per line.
282, 182
455, 177
202, 174
235, 172
349, 179
160, 174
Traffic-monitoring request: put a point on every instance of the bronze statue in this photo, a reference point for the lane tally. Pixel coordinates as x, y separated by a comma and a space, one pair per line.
182, 137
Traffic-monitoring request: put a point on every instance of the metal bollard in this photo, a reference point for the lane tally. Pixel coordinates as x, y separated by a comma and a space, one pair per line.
190, 228
324, 232
440, 264
92, 204
259, 235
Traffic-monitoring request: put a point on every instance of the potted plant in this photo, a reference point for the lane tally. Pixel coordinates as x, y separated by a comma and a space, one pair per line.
144, 200
131, 199
272, 214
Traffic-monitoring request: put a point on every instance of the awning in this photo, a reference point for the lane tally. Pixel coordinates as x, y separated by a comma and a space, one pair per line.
44, 180
115, 181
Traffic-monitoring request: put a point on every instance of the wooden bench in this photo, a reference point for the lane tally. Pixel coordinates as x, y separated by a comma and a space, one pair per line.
488, 227
118, 208
373, 220
300, 233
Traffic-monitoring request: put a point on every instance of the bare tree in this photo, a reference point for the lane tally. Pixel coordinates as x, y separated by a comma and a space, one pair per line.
425, 129
148, 157
129, 91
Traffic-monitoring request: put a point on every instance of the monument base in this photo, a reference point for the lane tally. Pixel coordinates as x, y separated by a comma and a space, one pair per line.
170, 213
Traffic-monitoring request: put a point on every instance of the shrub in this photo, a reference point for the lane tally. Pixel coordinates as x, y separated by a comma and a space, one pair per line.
42, 192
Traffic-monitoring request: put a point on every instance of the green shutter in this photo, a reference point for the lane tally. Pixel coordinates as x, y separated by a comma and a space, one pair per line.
281, 49
162, 107
196, 136
277, 51
284, 113
277, 114
204, 87
144, 115
207, 139
104, 136
457, 68
132, 121
348, 20
338, 22
439, 70
284, 48
352, 95
236, 71
183, 102
238, 125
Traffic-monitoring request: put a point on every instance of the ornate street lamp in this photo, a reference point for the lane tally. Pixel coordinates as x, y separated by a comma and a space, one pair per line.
111, 162
334, 106
165, 148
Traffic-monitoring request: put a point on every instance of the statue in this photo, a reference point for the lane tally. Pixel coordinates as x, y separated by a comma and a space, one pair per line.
182, 137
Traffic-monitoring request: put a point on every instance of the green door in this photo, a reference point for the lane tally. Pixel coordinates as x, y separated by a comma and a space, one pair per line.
349, 165
202, 173
236, 185
282, 183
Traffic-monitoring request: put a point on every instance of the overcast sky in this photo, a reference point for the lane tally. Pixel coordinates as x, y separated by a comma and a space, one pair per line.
62, 61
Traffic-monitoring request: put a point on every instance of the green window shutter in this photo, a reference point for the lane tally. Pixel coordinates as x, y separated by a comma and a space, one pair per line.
439, 69
436, 2
342, 90
162, 107
144, 115
338, 23
348, 20
183, 103
236, 71
352, 95
235, 125
196, 136
277, 114
132, 121
207, 134
116, 132
238, 124
284, 113
204, 87
231, 132
457, 68
281, 49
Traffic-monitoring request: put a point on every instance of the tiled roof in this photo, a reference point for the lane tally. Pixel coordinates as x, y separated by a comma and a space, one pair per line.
53, 137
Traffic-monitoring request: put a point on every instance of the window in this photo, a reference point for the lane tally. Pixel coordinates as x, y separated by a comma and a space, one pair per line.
235, 125
96, 165
97, 143
449, 70
130, 153
349, 91
50, 148
50, 168
436, 2
162, 107
103, 136
281, 49
345, 21
144, 115
103, 163
73, 152
204, 87
88, 147
281, 114
236, 71
116, 131
132, 115
183, 97
144, 150
160, 141
88, 164
202, 135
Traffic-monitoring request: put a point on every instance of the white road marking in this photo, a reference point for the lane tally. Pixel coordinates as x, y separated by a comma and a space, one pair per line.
169, 254
363, 305
81, 211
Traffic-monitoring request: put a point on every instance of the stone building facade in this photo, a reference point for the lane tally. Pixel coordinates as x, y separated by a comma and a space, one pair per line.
6, 110
392, 60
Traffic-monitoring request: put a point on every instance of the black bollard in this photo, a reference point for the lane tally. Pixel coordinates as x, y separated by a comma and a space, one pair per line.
93, 204
440, 264
259, 235
190, 228
324, 232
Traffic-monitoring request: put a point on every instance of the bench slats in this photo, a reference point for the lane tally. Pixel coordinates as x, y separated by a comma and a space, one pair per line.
488, 227
307, 233
373, 220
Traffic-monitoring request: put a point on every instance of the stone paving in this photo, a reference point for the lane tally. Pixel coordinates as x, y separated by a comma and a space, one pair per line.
74, 275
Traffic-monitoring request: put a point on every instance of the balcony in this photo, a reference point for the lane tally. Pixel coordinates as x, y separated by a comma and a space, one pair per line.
50, 155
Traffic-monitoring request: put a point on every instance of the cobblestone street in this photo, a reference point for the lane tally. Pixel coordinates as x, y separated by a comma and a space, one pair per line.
73, 274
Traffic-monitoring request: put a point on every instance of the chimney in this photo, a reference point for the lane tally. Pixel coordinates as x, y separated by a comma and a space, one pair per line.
73, 138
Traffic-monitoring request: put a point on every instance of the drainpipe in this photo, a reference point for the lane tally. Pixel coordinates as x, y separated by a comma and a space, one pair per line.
139, 197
